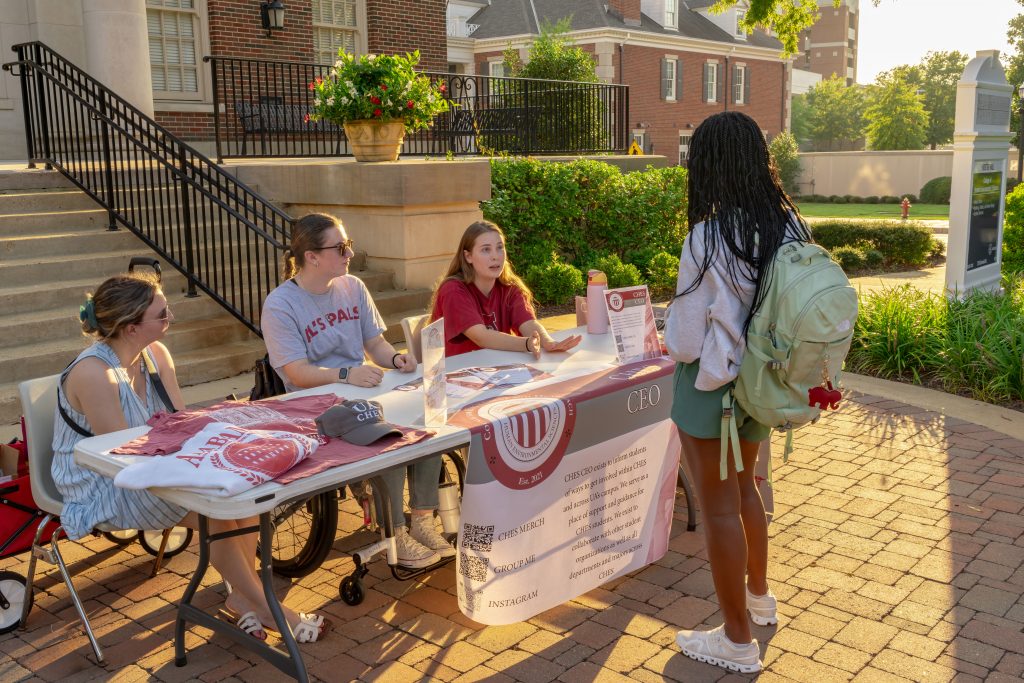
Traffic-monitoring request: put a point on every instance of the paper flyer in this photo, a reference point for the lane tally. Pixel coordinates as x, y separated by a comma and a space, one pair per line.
435, 395
632, 323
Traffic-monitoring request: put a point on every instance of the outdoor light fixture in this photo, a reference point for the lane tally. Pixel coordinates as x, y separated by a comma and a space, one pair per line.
272, 16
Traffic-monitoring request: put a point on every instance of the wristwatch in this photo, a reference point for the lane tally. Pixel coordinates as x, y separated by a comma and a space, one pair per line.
343, 375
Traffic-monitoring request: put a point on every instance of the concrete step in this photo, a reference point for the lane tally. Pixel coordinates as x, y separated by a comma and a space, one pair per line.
193, 367
44, 223
394, 333
394, 301
67, 242
47, 357
32, 179
69, 267
44, 201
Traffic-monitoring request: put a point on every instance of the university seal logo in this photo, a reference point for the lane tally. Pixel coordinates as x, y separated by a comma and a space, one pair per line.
526, 438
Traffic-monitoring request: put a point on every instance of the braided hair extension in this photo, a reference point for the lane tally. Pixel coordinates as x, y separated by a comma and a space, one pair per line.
734, 188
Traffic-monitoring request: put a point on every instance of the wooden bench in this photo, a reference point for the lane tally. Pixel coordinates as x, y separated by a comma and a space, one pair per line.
262, 119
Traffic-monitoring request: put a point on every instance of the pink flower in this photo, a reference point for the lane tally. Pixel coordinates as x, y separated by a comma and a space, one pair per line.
443, 88
410, 104
377, 112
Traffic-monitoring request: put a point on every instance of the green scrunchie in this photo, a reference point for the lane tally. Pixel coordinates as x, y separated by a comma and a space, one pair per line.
87, 314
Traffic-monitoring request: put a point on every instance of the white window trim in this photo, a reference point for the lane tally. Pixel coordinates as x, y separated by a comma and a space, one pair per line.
671, 15
743, 87
712, 97
684, 148
359, 30
201, 32
495, 61
671, 95
739, 32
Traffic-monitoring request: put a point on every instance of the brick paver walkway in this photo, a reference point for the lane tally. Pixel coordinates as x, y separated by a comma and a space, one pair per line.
897, 554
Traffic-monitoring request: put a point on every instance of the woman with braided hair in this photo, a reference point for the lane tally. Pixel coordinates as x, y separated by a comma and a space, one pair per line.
739, 217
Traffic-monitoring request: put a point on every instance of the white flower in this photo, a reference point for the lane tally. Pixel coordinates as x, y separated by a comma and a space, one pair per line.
330, 101
316, 101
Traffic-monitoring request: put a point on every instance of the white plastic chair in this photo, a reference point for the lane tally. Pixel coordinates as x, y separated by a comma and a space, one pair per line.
411, 328
39, 404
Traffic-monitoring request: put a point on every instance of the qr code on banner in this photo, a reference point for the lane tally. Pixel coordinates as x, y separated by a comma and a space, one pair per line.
477, 537
473, 568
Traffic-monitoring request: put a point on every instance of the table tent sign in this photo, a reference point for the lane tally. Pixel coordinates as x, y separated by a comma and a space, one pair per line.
569, 485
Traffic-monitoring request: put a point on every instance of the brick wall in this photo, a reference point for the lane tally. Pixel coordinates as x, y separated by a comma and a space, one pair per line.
398, 26
235, 30
665, 119
187, 125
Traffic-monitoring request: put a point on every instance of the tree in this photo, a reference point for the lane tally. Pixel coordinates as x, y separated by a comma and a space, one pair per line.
896, 116
1015, 67
835, 119
799, 124
786, 18
935, 79
560, 117
784, 153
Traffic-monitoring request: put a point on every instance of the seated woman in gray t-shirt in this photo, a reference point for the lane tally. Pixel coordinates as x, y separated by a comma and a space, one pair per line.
317, 326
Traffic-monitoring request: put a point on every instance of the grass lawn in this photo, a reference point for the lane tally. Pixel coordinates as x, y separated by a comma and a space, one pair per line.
889, 211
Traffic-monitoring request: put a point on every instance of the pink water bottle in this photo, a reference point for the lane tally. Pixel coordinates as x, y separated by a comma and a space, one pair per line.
597, 310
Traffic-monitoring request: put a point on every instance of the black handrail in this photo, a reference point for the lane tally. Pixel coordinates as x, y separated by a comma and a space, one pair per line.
222, 235
260, 109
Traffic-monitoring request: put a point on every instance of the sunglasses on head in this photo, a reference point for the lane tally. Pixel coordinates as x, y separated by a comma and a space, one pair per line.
340, 246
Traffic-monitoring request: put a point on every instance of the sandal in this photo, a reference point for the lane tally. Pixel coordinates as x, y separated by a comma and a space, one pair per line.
251, 625
310, 628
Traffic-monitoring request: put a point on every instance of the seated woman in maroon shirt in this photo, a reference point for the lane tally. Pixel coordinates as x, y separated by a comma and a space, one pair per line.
484, 303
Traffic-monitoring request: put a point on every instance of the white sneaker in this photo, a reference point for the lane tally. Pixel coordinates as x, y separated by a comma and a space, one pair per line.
762, 608
411, 553
425, 532
714, 647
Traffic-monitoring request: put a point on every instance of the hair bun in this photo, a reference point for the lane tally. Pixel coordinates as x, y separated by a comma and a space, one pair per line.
87, 314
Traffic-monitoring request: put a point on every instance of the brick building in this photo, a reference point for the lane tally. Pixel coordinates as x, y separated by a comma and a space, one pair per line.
682, 62
830, 45
119, 42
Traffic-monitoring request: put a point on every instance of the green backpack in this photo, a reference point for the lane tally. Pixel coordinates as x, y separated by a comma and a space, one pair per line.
796, 345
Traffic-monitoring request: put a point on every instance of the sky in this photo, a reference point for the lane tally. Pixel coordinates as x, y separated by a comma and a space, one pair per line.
902, 31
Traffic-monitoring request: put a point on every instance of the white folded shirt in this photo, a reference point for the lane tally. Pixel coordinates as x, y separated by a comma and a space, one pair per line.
220, 460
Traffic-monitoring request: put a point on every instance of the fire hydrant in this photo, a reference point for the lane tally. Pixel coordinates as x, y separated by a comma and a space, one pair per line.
905, 206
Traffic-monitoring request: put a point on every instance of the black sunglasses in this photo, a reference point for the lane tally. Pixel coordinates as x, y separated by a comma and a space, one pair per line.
341, 247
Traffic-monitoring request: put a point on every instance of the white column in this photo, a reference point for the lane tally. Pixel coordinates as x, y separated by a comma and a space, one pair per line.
117, 48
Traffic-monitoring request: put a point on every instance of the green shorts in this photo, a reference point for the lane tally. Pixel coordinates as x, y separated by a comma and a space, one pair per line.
699, 413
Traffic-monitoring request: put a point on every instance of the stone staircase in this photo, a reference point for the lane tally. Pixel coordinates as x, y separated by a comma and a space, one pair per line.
54, 247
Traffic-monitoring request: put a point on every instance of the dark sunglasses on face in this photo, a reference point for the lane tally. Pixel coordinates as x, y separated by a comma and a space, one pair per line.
342, 246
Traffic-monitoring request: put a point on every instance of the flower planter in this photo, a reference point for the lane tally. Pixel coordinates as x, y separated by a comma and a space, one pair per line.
372, 140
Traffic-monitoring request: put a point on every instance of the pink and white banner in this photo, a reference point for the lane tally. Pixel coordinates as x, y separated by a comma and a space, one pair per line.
568, 487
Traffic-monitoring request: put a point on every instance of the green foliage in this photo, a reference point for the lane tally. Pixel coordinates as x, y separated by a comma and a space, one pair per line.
875, 259
619, 274
786, 18
800, 120
1013, 231
835, 119
902, 243
585, 209
378, 87
571, 118
973, 346
662, 274
849, 258
896, 116
783, 150
935, 77
872, 199
936, 190
554, 282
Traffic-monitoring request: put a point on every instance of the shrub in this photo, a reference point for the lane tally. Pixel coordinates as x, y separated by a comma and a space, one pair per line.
912, 198
1013, 231
584, 209
662, 274
834, 198
619, 274
936, 190
554, 282
890, 199
851, 199
838, 200
938, 249
818, 199
872, 199
850, 258
903, 243
785, 153
873, 258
